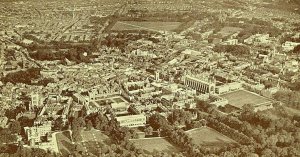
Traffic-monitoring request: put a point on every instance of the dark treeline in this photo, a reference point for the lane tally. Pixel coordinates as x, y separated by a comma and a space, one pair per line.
25, 76
236, 50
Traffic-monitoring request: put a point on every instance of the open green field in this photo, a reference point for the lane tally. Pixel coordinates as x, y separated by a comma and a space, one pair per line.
273, 113
151, 145
64, 143
209, 137
229, 30
93, 140
241, 97
145, 25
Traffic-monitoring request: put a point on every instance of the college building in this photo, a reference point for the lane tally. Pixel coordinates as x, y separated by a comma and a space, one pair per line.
132, 120
201, 84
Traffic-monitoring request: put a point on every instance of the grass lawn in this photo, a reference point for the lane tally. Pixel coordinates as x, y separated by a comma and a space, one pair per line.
151, 145
145, 25
292, 111
209, 137
64, 143
230, 30
241, 97
275, 114
93, 140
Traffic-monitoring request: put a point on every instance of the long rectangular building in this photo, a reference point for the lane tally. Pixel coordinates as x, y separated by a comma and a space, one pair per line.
202, 85
132, 120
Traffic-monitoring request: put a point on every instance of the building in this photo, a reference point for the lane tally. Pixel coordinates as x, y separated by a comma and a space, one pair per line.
36, 133
27, 42
35, 101
228, 87
132, 120
230, 42
202, 84
120, 108
289, 46
258, 39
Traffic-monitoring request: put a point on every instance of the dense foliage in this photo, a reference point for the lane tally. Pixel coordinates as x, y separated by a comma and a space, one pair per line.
25, 76
236, 50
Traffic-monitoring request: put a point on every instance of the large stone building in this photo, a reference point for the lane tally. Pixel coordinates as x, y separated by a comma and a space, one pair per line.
132, 120
201, 83
35, 133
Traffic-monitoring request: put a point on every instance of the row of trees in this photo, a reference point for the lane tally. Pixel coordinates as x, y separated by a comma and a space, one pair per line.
225, 129
175, 135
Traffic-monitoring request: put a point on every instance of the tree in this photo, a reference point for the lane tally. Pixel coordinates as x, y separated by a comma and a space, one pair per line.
203, 122
297, 49
149, 130
247, 112
179, 116
76, 135
22, 76
58, 124
157, 121
236, 50
15, 127
25, 121
6, 136
78, 123
38, 152
267, 153
89, 125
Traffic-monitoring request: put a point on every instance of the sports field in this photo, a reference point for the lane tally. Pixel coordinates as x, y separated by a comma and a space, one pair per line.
152, 144
145, 25
93, 140
209, 137
64, 143
241, 97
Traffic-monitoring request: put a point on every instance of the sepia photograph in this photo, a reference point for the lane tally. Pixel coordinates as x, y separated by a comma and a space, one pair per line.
149, 78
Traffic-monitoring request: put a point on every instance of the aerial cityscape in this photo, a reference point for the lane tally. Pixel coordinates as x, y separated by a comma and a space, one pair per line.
150, 78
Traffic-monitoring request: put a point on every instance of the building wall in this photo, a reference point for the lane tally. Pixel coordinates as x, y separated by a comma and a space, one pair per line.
132, 120
199, 85
228, 87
